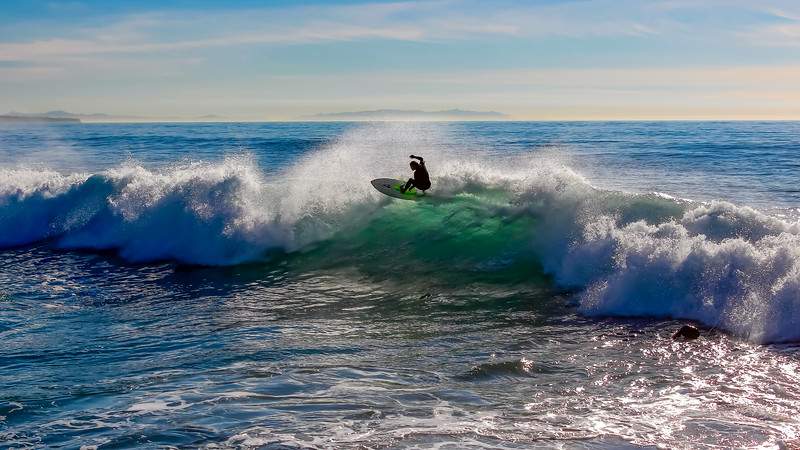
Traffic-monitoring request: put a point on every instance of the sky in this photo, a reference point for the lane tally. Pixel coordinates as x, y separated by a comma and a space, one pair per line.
280, 60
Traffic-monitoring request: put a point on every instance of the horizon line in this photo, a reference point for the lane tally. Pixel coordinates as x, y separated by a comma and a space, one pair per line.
84, 122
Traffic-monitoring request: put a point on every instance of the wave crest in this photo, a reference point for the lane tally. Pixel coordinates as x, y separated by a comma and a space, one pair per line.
622, 254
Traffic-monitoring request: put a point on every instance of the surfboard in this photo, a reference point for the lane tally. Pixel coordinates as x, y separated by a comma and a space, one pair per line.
391, 187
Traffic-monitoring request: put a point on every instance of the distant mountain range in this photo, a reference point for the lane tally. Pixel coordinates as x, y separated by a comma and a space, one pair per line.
99, 117
43, 119
402, 114
67, 115
377, 115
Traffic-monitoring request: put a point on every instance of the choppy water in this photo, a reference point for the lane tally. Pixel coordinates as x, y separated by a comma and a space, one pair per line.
243, 285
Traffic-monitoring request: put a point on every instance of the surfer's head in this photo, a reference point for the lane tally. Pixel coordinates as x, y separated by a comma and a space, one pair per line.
414, 165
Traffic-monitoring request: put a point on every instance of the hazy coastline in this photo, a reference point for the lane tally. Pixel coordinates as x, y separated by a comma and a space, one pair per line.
36, 119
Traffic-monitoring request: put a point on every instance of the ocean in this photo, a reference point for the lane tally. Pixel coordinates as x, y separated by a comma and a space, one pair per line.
242, 285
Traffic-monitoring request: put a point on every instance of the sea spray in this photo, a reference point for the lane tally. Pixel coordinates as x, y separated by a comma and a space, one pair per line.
33, 201
745, 282
197, 213
650, 255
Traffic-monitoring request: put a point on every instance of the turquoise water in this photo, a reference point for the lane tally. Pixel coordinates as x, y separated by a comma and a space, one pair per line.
244, 286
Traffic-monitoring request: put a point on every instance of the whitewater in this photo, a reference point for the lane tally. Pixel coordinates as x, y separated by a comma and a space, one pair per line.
244, 286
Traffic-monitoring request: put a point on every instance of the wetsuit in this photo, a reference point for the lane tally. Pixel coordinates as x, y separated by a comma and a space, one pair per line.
421, 180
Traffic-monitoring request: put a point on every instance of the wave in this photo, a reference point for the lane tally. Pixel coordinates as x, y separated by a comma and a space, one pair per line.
515, 218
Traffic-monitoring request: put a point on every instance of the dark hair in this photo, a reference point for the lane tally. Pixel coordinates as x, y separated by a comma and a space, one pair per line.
414, 164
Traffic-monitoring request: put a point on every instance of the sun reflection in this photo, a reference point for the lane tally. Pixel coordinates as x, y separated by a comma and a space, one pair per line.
527, 364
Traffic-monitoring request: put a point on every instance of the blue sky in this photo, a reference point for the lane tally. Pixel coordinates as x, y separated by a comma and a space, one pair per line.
277, 60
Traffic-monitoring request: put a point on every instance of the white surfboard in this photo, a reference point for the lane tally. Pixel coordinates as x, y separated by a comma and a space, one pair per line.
391, 187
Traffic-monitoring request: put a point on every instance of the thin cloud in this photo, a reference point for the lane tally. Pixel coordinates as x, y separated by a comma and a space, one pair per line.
405, 21
655, 78
792, 97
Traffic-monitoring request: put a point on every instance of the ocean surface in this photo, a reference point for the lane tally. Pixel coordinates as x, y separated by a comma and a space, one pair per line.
242, 285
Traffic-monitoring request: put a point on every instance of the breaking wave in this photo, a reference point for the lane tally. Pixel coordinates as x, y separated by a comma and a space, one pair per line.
525, 217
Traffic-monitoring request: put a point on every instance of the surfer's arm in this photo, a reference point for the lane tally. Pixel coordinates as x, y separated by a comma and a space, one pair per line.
419, 158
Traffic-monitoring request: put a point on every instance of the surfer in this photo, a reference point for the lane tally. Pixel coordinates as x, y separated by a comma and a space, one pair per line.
420, 180
687, 332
